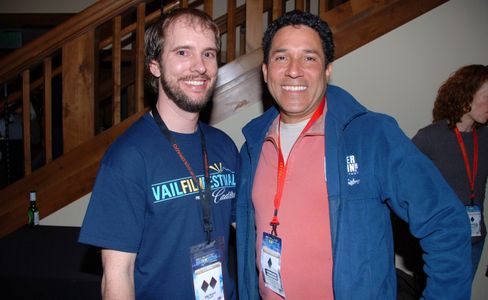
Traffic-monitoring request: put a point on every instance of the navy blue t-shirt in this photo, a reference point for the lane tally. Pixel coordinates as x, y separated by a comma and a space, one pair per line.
144, 202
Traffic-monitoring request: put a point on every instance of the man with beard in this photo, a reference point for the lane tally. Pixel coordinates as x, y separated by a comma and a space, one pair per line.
163, 201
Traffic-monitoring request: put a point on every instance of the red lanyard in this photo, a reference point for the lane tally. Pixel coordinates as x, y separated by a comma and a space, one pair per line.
282, 166
471, 176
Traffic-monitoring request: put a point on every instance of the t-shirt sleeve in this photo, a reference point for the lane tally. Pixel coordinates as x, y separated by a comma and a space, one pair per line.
115, 214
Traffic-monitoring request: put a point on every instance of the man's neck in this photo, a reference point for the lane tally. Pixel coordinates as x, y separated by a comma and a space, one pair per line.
175, 118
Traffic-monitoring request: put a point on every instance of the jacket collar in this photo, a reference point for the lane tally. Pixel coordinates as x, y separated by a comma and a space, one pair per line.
341, 106
255, 131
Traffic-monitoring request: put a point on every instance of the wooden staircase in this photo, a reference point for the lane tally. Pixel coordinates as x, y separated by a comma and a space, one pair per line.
65, 179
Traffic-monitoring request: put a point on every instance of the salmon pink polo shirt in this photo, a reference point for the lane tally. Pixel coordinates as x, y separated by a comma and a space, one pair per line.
306, 258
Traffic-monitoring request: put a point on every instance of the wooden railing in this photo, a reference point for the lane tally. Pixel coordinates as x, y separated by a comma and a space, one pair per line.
117, 101
65, 54
74, 54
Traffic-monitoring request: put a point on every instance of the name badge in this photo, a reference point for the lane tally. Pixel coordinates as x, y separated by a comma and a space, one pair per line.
474, 214
206, 262
271, 263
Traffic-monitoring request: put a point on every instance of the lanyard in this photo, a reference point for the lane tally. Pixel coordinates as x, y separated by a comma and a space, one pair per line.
282, 166
204, 198
471, 176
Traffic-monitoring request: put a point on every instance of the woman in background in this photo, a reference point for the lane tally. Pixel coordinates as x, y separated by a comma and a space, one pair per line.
457, 143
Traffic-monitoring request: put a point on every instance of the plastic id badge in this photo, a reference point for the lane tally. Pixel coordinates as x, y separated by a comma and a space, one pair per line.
474, 214
271, 263
206, 263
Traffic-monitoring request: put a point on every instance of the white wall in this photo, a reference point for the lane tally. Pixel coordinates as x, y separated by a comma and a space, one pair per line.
397, 74
400, 72
70, 215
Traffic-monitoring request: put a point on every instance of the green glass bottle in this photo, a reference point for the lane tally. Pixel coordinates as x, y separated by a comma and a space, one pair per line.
33, 211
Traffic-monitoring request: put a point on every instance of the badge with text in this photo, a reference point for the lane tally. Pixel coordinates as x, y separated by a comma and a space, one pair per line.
474, 214
206, 263
271, 263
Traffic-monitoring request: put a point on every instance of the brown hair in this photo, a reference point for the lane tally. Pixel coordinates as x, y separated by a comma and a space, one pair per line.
455, 96
155, 35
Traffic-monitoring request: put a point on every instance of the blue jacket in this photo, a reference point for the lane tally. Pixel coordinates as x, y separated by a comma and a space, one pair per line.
372, 168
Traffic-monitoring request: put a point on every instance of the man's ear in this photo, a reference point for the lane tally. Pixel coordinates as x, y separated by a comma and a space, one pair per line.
264, 68
154, 68
328, 70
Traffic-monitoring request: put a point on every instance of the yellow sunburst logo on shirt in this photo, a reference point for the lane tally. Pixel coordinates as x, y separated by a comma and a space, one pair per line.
216, 167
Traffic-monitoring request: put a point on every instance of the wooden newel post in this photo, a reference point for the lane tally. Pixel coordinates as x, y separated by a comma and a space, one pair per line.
78, 90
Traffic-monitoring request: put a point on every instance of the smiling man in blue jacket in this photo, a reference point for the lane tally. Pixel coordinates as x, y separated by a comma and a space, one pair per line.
328, 234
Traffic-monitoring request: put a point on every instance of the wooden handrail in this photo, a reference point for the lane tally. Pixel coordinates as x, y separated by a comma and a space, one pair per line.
79, 24
60, 182
34, 84
16, 95
68, 178
39, 49
358, 22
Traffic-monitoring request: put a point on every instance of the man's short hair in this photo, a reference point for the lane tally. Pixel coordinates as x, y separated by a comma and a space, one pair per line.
155, 36
295, 18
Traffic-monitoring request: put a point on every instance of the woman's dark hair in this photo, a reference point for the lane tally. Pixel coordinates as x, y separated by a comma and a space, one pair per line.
455, 96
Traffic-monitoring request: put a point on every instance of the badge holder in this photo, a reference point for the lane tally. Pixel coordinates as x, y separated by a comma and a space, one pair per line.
474, 214
271, 263
206, 263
